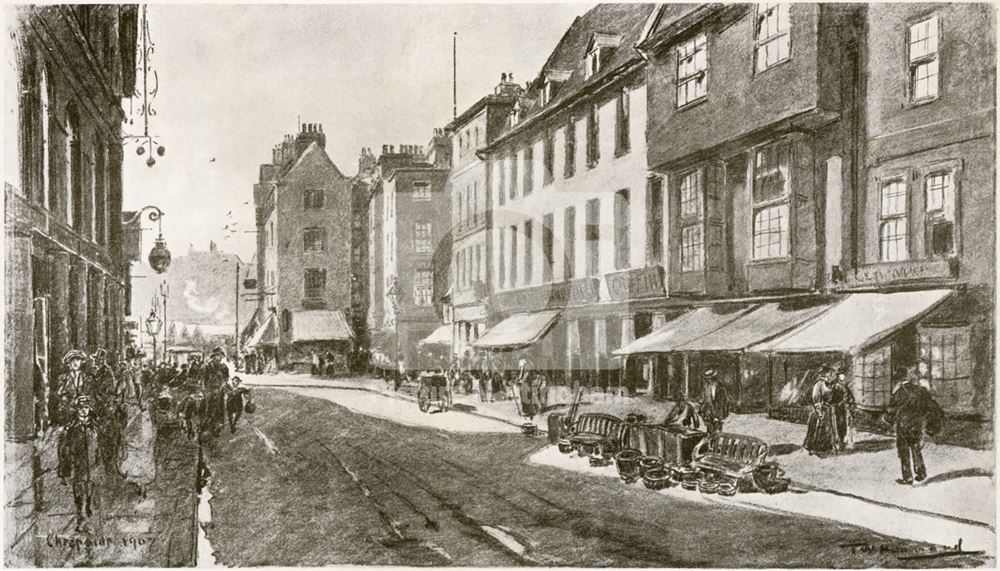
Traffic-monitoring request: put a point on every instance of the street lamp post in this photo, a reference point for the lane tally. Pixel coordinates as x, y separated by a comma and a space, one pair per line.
153, 328
165, 293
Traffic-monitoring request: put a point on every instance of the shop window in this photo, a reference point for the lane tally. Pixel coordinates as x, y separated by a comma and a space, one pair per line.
893, 231
315, 283
872, 383
569, 242
948, 351
422, 243
654, 220
569, 166
772, 35
692, 70
923, 57
622, 124
593, 236
622, 237
940, 192
314, 239
423, 287
421, 190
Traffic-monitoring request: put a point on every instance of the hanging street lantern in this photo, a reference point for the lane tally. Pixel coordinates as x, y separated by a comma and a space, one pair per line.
159, 256
153, 323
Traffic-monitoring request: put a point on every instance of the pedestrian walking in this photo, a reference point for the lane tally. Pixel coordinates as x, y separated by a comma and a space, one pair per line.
138, 465
842, 406
215, 374
714, 403
915, 412
821, 431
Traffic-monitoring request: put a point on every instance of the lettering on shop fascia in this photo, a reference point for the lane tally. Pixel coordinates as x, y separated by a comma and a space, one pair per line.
549, 296
901, 271
640, 283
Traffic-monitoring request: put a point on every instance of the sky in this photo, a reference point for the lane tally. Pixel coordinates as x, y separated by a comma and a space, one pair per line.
233, 80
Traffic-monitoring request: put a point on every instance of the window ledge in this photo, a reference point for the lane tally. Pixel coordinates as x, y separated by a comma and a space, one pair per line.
914, 103
772, 66
771, 261
694, 103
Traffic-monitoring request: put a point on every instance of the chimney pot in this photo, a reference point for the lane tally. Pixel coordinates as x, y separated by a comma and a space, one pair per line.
392, 149
320, 127
385, 149
503, 78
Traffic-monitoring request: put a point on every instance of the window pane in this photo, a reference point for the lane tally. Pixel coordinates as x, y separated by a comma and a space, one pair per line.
770, 232
923, 38
770, 175
692, 248
925, 82
691, 195
940, 192
892, 240
893, 199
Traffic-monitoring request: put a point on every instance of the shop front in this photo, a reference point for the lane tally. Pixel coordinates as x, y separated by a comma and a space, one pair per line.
870, 335
314, 335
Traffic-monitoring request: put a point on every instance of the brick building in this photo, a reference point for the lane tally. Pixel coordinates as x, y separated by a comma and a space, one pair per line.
67, 279
305, 233
468, 189
821, 164
410, 245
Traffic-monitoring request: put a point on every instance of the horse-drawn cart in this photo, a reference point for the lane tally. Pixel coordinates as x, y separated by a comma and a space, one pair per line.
434, 390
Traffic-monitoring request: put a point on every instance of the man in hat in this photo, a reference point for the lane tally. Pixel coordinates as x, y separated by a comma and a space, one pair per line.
714, 403
73, 383
215, 374
915, 412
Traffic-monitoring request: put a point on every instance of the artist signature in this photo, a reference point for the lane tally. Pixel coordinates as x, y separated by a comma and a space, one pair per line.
907, 552
88, 542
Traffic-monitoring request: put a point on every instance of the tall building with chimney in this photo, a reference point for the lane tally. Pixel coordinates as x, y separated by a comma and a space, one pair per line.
304, 222
409, 245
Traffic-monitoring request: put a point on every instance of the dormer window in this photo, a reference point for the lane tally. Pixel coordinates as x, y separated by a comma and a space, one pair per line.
593, 63
515, 114
600, 47
551, 85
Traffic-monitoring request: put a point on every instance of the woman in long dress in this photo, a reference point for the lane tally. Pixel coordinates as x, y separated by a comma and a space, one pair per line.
138, 465
821, 434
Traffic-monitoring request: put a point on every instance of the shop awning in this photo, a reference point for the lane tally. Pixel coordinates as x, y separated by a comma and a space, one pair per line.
761, 324
320, 325
859, 320
440, 336
266, 333
683, 330
518, 330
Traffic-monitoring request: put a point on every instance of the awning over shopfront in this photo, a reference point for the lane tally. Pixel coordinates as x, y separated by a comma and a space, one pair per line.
685, 329
320, 325
761, 324
518, 330
440, 336
859, 320
266, 334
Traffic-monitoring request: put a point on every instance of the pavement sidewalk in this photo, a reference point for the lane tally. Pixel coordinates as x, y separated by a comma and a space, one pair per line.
125, 530
858, 487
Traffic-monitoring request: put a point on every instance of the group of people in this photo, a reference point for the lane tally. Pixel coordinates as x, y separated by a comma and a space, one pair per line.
707, 413
197, 391
100, 415
912, 410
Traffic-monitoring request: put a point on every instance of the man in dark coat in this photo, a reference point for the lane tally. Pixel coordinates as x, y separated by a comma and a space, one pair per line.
714, 403
915, 412
215, 373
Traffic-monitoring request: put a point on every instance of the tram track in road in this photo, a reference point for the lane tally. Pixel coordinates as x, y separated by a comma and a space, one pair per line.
466, 527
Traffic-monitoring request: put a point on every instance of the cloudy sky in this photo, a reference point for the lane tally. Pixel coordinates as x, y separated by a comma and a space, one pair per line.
234, 79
